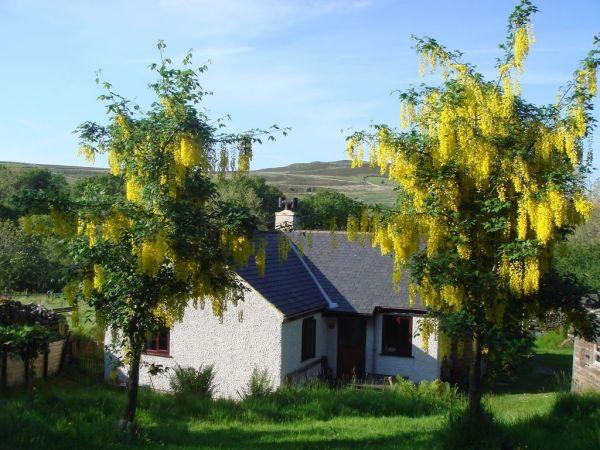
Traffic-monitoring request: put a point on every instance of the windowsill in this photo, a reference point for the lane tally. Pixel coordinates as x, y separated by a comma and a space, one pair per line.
397, 355
161, 355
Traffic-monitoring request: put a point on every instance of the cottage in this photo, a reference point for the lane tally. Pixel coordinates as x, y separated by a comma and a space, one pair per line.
329, 307
586, 356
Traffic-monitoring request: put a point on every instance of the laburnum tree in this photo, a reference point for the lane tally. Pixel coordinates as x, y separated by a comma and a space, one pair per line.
141, 257
489, 183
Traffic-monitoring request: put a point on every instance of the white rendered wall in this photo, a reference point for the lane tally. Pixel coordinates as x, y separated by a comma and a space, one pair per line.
291, 333
420, 366
248, 337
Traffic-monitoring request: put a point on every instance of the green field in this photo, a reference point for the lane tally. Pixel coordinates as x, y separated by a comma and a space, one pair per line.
295, 180
77, 410
300, 179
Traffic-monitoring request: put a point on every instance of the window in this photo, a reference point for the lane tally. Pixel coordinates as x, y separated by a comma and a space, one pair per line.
159, 343
396, 336
309, 338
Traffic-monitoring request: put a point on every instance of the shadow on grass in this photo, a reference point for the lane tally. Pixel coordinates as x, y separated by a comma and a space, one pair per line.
75, 411
544, 372
572, 423
285, 439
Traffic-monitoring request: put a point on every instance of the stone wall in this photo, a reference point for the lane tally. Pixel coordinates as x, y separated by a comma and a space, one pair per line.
586, 371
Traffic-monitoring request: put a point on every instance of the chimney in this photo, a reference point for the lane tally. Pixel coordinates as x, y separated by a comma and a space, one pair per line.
287, 219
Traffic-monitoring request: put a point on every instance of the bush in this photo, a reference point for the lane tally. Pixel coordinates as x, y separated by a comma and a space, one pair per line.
433, 392
259, 385
188, 380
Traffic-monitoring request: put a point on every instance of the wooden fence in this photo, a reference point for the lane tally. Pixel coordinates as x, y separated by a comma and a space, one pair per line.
12, 368
87, 354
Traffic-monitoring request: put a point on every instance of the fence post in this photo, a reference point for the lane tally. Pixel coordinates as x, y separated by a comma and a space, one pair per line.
4, 371
63, 355
45, 367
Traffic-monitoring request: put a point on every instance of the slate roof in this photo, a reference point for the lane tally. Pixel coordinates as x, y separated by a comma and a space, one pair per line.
356, 277
286, 283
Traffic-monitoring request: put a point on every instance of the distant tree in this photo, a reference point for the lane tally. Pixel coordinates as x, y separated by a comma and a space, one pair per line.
27, 262
490, 183
7, 187
106, 184
253, 193
33, 188
326, 209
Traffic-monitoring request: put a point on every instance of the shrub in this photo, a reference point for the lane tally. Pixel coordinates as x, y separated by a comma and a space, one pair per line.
433, 392
188, 380
259, 385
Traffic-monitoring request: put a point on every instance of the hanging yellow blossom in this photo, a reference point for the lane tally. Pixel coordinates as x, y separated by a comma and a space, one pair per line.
133, 190
113, 162
98, 277
190, 151
88, 153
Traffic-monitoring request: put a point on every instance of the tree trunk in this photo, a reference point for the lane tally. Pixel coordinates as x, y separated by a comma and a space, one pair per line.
128, 420
475, 379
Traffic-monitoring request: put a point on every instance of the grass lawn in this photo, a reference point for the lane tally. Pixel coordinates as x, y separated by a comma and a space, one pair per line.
76, 411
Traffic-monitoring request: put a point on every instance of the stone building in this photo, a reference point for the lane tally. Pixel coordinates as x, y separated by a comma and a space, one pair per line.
586, 357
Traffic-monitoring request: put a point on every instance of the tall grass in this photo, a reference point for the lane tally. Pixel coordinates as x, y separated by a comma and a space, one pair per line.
75, 411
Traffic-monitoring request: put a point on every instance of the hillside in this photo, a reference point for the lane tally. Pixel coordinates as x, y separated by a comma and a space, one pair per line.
303, 178
71, 173
294, 180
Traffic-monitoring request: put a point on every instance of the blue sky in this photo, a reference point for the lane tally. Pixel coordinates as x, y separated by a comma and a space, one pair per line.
316, 66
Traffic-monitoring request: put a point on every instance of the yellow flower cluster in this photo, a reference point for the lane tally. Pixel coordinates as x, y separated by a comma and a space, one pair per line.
70, 290
98, 277
167, 102
88, 153
463, 248
244, 155
352, 228
430, 59
113, 162
87, 287
283, 246
113, 226
582, 205
407, 114
133, 190
260, 259
190, 152
151, 254
88, 229
123, 124
240, 247
523, 40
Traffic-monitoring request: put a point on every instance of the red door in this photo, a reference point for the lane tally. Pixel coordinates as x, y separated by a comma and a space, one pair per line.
352, 337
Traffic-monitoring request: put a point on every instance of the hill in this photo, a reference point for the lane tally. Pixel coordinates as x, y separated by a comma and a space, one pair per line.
71, 173
295, 180
299, 179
